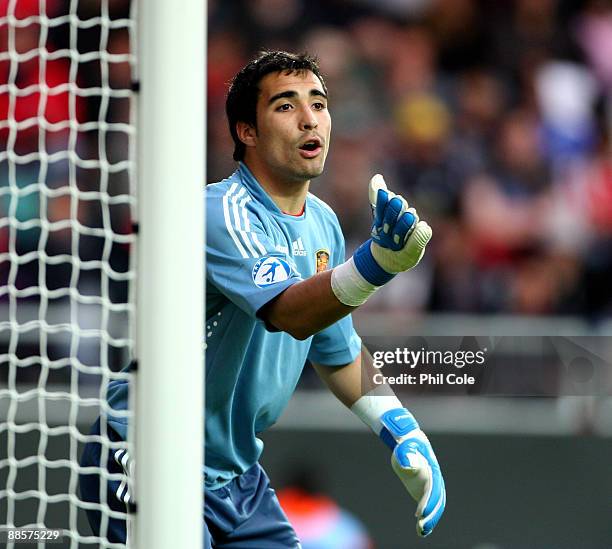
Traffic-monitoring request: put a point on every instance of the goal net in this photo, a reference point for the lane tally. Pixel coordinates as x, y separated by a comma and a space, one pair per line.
67, 209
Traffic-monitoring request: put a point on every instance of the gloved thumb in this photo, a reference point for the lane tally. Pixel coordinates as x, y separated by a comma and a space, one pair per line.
376, 183
413, 470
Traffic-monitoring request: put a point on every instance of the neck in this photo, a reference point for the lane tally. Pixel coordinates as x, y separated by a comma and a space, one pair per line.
288, 195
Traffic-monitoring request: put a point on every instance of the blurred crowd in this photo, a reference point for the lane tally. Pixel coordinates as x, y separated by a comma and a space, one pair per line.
492, 118
65, 86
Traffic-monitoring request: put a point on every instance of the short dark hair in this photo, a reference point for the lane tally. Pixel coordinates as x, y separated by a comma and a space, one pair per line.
241, 102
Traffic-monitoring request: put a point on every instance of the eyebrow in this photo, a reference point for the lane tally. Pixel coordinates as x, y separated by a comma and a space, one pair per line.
291, 94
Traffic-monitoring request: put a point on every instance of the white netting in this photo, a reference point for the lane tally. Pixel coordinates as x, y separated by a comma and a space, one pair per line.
66, 241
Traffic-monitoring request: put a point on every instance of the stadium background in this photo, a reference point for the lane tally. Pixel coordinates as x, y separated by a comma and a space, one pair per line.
494, 118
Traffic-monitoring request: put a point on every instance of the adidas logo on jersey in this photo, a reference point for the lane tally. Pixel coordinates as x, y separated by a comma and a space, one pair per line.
282, 249
298, 247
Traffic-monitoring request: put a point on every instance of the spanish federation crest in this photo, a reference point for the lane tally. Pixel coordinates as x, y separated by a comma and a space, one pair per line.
270, 270
322, 260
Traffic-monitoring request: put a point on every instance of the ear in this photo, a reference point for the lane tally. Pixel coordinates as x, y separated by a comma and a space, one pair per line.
246, 133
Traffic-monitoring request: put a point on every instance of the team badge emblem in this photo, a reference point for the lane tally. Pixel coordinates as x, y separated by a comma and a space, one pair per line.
322, 260
270, 270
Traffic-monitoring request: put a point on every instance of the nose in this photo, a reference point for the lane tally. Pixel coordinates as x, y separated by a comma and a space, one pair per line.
308, 120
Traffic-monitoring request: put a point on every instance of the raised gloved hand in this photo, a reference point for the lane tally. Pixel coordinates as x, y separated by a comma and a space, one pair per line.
397, 243
398, 238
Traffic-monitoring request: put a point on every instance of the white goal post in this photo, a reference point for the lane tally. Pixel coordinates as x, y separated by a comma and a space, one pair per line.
170, 312
102, 174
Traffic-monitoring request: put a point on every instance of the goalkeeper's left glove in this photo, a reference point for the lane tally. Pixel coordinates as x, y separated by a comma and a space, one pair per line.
415, 463
413, 458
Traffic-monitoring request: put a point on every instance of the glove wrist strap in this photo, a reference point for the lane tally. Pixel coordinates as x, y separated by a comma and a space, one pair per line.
396, 425
368, 267
349, 286
386, 416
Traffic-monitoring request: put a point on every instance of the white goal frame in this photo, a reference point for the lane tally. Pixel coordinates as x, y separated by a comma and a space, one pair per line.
170, 265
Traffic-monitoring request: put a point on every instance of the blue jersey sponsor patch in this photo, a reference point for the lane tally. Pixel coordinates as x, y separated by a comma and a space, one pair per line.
270, 270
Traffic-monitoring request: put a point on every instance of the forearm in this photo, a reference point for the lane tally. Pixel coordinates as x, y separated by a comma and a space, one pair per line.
349, 383
306, 308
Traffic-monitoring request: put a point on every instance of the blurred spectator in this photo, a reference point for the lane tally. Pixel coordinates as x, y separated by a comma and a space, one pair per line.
566, 95
318, 520
593, 29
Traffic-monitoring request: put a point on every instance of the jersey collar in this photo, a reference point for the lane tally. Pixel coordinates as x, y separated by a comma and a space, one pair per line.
249, 181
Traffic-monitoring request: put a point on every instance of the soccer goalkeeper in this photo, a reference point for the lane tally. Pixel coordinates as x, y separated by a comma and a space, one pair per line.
279, 293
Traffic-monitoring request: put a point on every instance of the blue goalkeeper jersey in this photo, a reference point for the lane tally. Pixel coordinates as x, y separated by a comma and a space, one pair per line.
253, 253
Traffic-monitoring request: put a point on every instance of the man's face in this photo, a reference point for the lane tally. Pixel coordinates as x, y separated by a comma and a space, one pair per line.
293, 126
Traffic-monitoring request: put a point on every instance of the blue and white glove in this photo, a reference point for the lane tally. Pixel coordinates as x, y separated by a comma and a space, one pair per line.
415, 463
396, 244
398, 237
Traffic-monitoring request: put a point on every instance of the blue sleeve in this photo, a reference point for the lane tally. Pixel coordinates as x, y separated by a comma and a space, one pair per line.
339, 343
241, 259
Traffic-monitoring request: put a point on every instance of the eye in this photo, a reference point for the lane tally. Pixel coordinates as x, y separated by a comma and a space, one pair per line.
284, 107
318, 106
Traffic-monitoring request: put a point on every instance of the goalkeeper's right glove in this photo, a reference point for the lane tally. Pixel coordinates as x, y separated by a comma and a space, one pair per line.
397, 244
398, 236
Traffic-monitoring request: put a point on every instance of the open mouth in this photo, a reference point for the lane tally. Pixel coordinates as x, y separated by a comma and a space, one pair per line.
310, 148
